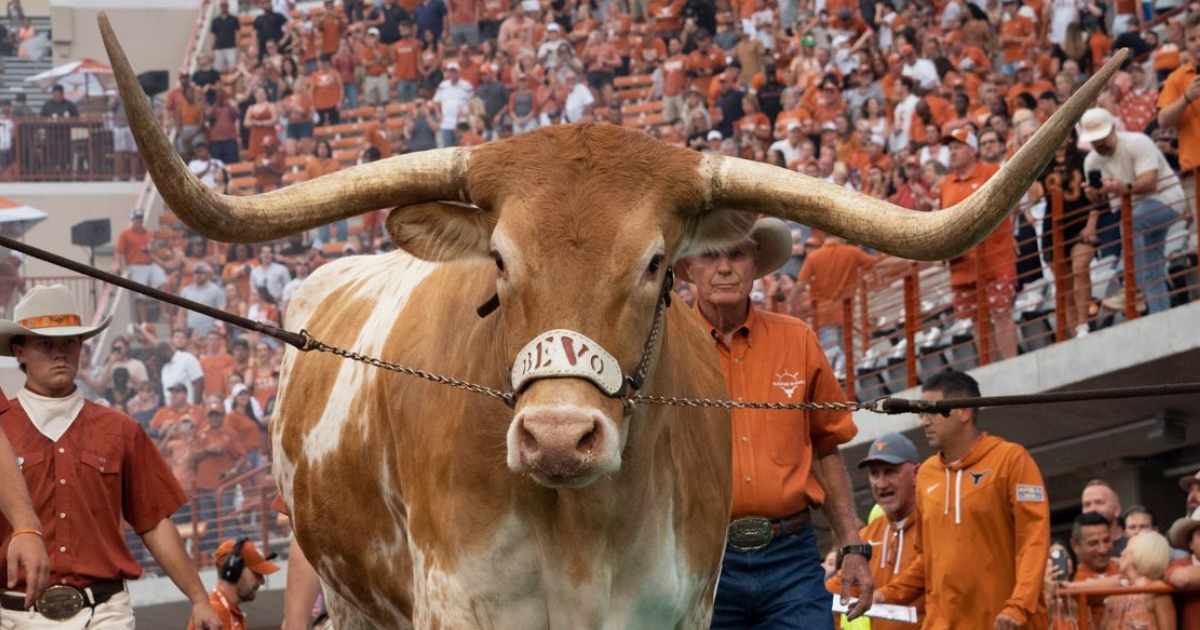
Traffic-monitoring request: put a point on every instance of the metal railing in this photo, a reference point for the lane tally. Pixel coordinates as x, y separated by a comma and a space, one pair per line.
903, 327
76, 149
1083, 596
240, 506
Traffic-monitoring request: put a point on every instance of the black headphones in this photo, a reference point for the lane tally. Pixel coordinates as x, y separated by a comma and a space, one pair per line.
231, 569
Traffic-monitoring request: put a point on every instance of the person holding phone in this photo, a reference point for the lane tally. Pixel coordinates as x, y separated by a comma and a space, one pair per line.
1129, 163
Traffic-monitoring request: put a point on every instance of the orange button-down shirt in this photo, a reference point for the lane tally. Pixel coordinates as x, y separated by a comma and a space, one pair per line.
998, 250
102, 470
776, 358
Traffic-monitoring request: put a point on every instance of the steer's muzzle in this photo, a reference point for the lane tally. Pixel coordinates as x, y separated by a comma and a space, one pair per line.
563, 445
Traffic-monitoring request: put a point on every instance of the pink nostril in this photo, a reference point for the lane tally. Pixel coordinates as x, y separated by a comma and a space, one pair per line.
588, 441
529, 442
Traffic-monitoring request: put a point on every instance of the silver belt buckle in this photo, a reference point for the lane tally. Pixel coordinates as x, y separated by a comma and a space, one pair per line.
59, 602
749, 533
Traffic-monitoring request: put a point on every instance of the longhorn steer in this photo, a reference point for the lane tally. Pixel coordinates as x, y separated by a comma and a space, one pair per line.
422, 505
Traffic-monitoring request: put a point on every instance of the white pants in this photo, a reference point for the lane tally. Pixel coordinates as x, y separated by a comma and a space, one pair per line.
114, 614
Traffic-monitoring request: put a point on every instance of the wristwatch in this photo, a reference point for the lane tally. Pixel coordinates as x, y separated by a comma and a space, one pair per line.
862, 550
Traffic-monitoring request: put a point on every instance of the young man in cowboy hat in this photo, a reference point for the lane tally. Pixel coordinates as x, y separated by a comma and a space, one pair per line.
241, 568
785, 462
87, 468
1184, 573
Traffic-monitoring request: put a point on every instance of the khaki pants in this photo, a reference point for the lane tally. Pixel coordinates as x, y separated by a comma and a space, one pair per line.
114, 614
375, 89
225, 59
672, 107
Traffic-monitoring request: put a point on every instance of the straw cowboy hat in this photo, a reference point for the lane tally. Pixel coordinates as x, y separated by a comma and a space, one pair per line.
1181, 530
46, 311
773, 240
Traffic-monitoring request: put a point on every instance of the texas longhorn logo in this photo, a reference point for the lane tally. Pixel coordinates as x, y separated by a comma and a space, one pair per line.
788, 382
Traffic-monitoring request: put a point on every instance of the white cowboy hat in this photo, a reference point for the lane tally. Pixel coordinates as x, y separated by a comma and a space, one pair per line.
46, 311
773, 240
1181, 530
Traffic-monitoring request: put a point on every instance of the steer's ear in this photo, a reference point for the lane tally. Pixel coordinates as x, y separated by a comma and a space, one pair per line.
441, 231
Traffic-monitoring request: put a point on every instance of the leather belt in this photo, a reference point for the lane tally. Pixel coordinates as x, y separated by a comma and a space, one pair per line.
749, 533
61, 602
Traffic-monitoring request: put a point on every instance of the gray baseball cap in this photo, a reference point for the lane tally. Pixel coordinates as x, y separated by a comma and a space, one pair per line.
891, 448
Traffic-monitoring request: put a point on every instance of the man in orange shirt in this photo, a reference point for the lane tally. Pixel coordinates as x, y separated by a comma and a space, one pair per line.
1092, 543
333, 25
829, 275
1016, 32
218, 455
327, 93
176, 409
991, 267
373, 58
892, 461
784, 462
674, 81
405, 71
1177, 102
134, 262
1026, 85
985, 524
241, 569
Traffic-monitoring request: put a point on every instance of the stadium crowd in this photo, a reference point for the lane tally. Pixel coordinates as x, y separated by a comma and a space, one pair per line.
917, 102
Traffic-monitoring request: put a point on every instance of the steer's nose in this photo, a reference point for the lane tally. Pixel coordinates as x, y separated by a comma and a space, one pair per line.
559, 444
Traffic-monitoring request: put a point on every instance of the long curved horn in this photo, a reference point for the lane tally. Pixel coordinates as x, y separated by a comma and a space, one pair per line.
398, 181
746, 185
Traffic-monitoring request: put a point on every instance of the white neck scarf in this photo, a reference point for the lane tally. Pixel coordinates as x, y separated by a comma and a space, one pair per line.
51, 416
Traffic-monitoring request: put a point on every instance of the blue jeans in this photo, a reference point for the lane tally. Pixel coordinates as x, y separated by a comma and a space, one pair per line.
206, 509
350, 93
780, 586
1151, 221
406, 91
343, 231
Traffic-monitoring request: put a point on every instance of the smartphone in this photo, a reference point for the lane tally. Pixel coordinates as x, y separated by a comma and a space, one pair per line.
1094, 179
1058, 558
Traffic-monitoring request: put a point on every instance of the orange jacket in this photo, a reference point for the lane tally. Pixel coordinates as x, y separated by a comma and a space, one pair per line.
893, 551
985, 537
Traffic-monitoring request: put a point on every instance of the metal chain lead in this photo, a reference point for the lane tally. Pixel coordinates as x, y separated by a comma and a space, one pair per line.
311, 343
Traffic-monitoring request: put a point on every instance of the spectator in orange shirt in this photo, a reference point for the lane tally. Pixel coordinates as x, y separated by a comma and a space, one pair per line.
327, 93
1177, 101
753, 122
333, 25
1026, 85
217, 363
830, 274
991, 267
406, 69
134, 262
704, 62
218, 455
784, 463
1016, 33
177, 409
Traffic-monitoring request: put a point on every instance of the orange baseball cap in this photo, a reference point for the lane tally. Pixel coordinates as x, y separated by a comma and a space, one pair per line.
963, 135
250, 554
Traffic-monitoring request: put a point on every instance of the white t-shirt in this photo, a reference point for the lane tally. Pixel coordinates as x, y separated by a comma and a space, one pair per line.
790, 153
453, 97
184, 368
206, 170
577, 101
1062, 14
923, 72
1136, 154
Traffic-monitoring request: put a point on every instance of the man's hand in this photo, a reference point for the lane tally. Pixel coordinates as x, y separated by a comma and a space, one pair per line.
1192, 93
1005, 621
204, 617
855, 573
29, 552
878, 598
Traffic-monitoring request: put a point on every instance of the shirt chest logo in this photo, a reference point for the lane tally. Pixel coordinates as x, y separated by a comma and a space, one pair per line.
977, 477
788, 382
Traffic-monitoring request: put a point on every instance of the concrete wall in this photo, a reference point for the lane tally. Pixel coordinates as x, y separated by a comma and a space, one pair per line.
154, 33
68, 204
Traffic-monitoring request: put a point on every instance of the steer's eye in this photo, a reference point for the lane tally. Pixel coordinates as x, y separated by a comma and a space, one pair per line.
655, 264
499, 261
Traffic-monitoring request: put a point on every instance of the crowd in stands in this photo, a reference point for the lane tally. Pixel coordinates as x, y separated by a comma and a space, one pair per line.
915, 101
